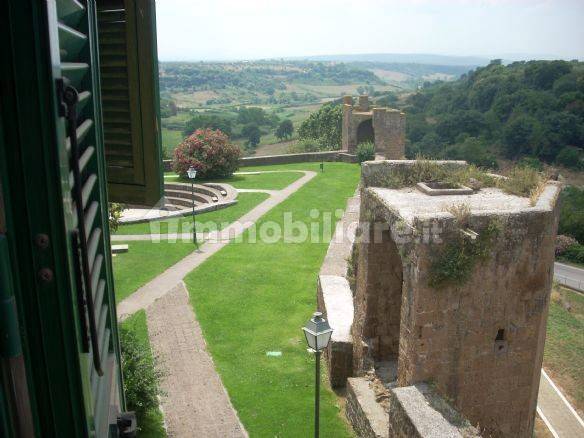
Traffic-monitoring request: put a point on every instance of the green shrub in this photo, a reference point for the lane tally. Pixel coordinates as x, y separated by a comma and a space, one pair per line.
140, 375
572, 213
531, 162
574, 254
571, 157
115, 214
365, 151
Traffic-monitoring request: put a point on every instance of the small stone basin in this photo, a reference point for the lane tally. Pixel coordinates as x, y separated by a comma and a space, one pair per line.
439, 188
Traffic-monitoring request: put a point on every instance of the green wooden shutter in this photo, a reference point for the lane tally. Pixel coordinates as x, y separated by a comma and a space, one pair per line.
77, 38
130, 100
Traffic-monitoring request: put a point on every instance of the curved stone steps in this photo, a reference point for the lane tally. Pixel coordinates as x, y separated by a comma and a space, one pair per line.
198, 188
186, 194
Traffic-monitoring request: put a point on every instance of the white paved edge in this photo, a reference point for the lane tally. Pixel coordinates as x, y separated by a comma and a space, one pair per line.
547, 423
572, 410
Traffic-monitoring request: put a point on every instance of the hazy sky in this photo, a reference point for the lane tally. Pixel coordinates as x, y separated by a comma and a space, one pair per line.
249, 29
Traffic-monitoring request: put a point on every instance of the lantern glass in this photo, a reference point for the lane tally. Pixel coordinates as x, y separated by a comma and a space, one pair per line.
318, 332
192, 173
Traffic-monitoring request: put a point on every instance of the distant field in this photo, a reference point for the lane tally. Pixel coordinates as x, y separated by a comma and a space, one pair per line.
333, 91
170, 140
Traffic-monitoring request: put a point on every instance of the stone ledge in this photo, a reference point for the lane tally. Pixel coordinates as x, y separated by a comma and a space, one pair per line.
368, 418
336, 301
417, 412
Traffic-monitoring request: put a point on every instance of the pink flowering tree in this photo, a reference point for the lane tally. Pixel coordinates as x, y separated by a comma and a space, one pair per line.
209, 152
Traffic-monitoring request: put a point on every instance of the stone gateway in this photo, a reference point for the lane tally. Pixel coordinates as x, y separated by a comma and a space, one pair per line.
384, 127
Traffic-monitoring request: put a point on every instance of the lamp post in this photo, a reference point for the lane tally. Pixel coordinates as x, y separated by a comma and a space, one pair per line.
318, 334
192, 173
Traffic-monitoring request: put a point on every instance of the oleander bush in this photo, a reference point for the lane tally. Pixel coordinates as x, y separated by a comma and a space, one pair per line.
209, 152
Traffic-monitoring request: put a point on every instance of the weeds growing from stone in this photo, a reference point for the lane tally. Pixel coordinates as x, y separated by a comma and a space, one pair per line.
455, 262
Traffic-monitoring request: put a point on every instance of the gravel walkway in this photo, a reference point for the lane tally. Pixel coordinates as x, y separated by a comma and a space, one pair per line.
195, 403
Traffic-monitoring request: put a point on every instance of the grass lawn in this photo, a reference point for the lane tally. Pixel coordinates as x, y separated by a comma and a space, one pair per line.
263, 181
144, 261
152, 424
170, 140
564, 345
252, 298
210, 221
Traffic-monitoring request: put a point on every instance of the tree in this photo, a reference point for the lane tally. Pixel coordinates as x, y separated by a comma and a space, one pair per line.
571, 157
285, 129
324, 127
519, 136
204, 121
251, 115
253, 135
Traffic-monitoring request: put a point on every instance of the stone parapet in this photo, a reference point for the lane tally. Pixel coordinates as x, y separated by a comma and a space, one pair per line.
335, 300
416, 412
368, 418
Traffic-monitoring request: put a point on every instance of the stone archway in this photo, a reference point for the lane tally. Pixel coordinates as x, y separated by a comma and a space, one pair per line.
378, 304
365, 132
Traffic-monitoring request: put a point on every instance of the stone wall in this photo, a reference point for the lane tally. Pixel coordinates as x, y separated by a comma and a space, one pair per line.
341, 156
390, 133
335, 298
307, 157
378, 300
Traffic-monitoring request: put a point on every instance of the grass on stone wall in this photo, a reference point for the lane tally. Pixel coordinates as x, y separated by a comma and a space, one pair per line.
455, 262
253, 298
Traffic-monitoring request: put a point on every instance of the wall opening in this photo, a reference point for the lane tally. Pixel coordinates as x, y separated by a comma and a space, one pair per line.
365, 132
381, 330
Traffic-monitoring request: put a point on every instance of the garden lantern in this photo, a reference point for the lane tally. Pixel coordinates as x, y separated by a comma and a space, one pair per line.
318, 334
192, 174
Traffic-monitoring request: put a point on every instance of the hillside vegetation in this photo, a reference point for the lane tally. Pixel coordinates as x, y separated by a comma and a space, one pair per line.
526, 109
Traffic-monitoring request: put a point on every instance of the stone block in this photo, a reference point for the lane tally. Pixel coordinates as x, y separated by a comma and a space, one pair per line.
416, 412
368, 418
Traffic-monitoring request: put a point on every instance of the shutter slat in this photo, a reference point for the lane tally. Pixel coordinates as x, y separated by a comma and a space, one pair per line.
93, 245
90, 216
88, 188
70, 11
83, 161
96, 273
71, 42
74, 71
82, 131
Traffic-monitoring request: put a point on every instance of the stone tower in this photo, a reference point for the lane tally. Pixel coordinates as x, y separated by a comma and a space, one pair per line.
408, 311
384, 127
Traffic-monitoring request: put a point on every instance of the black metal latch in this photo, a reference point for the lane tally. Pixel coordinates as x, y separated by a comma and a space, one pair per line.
127, 425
